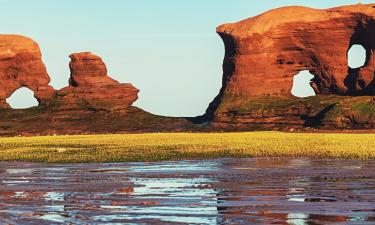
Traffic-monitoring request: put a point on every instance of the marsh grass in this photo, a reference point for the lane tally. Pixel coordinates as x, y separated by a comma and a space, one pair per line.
176, 146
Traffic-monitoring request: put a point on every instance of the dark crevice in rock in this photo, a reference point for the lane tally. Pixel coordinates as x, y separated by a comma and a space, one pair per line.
316, 120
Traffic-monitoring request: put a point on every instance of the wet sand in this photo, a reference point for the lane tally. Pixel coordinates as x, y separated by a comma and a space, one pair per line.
223, 191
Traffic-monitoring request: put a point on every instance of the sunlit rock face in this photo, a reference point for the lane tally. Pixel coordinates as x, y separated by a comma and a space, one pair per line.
92, 103
21, 66
91, 88
265, 52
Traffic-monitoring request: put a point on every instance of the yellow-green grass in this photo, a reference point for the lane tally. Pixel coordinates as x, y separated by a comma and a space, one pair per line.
177, 146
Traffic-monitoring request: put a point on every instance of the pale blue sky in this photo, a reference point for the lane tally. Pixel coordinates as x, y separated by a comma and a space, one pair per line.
166, 48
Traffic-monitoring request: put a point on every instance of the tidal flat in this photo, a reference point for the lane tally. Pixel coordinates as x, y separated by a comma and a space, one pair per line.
219, 191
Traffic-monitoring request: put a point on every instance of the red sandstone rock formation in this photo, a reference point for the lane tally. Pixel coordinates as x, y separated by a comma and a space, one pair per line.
263, 53
91, 88
21, 66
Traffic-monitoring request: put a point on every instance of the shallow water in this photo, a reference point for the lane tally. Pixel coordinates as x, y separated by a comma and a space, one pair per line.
225, 191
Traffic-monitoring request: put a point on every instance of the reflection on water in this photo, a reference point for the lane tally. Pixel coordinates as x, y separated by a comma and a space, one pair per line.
225, 191
297, 219
54, 196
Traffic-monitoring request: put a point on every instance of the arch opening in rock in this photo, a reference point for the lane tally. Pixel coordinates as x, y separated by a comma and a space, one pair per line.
302, 85
22, 98
356, 56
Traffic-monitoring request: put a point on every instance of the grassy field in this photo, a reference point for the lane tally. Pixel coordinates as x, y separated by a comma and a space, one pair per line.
175, 146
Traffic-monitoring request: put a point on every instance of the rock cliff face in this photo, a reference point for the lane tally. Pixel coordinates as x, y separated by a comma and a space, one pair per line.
21, 66
264, 53
91, 88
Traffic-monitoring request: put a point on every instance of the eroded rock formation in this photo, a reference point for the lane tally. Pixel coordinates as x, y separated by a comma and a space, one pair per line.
264, 53
262, 56
92, 103
91, 88
21, 66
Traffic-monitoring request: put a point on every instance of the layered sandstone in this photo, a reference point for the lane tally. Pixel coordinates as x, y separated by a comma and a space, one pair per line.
265, 52
21, 66
91, 88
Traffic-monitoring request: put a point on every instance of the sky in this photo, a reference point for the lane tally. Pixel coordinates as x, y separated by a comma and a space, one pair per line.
166, 48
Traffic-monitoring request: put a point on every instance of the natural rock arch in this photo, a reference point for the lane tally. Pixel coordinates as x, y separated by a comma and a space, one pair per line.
22, 98
263, 53
360, 81
302, 85
90, 87
356, 56
21, 66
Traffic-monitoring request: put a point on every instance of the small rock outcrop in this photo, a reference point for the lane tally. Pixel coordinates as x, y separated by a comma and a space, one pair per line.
21, 66
91, 88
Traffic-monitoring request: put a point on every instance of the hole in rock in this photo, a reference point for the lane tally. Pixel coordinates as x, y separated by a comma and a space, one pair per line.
301, 85
22, 98
356, 56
